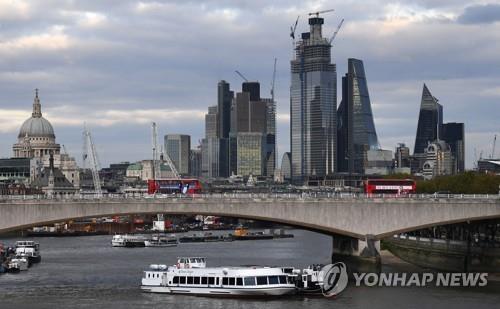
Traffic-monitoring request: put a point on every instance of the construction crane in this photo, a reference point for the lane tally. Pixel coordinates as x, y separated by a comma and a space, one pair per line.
493, 149
169, 162
155, 166
273, 104
320, 12
90, 154
292, 29
241, 75
336, 31
274, 79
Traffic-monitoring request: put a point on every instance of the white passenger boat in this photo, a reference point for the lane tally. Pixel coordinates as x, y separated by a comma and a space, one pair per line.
191, 276
161, 241
128, 241
28, 249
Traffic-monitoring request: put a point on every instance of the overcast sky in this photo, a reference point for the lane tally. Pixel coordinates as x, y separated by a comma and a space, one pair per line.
118, 65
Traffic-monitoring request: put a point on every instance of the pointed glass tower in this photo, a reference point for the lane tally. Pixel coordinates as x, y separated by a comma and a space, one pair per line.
356, 128
430, 120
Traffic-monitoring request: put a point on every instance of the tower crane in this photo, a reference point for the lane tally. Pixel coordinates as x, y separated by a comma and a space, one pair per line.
274, 79
241, 75
292, 28
273, 104
90, 154
493, 149
169, 162
320, 12
155, 165
336, 31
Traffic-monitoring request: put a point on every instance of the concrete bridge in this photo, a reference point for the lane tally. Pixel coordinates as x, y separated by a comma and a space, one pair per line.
356, 217
356, 223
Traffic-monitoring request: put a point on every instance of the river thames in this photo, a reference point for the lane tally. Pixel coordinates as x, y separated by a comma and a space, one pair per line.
86, 272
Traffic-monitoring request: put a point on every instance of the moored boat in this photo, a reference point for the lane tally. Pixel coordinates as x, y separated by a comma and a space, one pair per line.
28, 249
128, 241
190, 276
161, 241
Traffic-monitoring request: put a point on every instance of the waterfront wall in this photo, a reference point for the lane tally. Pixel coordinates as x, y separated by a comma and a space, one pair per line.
445, 255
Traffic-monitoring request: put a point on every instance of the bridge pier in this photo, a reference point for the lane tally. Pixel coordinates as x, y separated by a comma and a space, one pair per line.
358, 255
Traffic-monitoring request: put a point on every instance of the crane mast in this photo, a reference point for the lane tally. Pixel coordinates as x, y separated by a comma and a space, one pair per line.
155, 165
493, 149
166, 157
90, 154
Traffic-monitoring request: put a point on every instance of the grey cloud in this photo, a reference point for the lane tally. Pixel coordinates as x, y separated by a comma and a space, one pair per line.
480, 14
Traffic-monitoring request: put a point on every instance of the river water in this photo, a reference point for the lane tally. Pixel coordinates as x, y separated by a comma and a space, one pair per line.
86, 272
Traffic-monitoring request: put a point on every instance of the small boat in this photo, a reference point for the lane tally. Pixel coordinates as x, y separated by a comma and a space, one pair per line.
28, 249
129, 241
310, 279
161, 241
241, 233
22, 262
13, 267
190, 276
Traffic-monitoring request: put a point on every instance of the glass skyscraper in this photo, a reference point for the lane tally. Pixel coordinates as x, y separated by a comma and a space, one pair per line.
429, 120
356, 128
313, 106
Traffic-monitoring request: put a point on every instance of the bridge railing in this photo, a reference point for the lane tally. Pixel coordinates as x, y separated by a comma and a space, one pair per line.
252, 196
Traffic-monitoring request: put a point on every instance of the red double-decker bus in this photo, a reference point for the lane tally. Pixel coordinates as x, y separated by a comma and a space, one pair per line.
173, 185
390, 186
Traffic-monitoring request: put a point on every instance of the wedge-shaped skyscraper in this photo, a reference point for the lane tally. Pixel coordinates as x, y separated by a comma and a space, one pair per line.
430, 120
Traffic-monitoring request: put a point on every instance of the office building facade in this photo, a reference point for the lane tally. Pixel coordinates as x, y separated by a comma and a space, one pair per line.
178, 148
313, 107
453, 134
356, 128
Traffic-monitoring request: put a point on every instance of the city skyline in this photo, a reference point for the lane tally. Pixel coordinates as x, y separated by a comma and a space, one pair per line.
72, 56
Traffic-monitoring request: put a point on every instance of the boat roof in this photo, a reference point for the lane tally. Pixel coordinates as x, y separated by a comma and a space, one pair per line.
225, 271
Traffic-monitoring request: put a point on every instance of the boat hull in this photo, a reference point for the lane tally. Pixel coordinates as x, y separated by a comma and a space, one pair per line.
233, 292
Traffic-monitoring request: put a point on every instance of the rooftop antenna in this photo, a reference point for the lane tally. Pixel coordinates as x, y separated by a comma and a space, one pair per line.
241, 75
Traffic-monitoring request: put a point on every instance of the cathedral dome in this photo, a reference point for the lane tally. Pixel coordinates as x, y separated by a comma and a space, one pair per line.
36, 125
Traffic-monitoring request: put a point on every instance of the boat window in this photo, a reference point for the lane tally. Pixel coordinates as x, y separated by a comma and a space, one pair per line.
182, 280
196, 280
149, 275
217, 281
225, 281
231, 281
189, 280
290, 280
211, 280
273, 280
204, 280
176, 280
249, 280
261, 280
283, 279
239, 281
